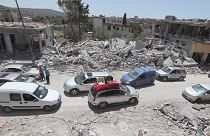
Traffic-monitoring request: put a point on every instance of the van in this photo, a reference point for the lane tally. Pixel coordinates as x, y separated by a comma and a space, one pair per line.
139, 76
20, 95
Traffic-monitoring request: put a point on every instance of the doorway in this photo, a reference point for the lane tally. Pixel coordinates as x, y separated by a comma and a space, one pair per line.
197, 56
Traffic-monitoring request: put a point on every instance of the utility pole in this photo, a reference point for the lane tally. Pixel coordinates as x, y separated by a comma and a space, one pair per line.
25, 32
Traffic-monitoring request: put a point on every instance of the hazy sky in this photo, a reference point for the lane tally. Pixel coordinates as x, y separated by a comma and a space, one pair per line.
141, 8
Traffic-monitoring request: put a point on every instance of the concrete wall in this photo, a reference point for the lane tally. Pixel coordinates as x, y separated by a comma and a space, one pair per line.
49, 36
97, 23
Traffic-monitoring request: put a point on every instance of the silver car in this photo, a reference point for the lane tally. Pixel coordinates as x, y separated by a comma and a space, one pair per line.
15, 77
105, 97
84, 81
24, 70
171, 73
197, 93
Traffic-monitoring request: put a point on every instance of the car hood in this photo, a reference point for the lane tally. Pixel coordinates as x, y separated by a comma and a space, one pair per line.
52, 95
133, 91
33, 71
31, 80
192, 92
161, 72
70, 82
126, 78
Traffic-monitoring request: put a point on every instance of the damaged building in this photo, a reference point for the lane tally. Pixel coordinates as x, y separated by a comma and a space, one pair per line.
193, 36
13, 38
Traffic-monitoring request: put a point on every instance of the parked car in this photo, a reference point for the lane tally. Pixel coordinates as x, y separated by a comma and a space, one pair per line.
15, 77
110, 93
139, 76
20, 95
25, 70
84, 81
171, 73
197, 93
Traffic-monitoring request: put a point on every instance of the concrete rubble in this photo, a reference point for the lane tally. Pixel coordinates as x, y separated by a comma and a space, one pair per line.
116, 54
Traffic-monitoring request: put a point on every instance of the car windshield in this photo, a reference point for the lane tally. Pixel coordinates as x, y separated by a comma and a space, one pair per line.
21, 78
80, 78
125, 88
25, 68
134, 74
40, 92
166, 69
199, 88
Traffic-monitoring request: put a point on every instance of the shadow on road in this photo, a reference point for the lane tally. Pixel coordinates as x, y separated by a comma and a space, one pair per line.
112, 107
81, 94
144, 86
28, 112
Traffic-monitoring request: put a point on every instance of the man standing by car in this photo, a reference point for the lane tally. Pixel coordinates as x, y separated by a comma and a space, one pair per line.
47, 74
41, 72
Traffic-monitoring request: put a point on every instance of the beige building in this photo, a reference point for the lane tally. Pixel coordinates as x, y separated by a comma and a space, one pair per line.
13, 38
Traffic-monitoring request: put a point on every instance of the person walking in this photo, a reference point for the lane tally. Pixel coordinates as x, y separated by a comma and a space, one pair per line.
41, 72
47, 74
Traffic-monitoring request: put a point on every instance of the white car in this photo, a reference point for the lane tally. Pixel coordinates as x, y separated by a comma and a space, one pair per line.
110, 93
84, 81
197, 93
20, 95
25, 70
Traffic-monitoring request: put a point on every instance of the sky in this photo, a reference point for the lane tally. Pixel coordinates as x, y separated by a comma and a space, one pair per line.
142, 8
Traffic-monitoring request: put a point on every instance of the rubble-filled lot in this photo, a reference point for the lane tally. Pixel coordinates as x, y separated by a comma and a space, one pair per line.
76, 118
116, 54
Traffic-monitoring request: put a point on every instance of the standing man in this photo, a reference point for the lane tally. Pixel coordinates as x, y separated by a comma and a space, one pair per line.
47, 74
41, 72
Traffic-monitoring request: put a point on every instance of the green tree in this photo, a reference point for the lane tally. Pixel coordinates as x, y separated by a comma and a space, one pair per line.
136, 29
124, 19
77, 14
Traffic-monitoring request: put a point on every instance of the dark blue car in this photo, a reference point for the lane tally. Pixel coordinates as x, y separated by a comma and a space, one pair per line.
139, 76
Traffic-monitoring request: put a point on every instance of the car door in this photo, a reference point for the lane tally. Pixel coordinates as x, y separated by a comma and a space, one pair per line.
140, 80
110, 96
123, 96
87, 84
206, 96
31, 102
16, 100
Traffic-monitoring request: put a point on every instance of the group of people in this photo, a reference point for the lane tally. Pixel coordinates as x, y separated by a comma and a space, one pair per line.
44, 73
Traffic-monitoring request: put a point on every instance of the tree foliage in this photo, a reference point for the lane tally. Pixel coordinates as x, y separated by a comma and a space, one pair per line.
125, 19
76, 11
136, 28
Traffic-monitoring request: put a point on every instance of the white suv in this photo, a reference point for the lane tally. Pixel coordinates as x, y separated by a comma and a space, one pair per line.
20, 95
110, 93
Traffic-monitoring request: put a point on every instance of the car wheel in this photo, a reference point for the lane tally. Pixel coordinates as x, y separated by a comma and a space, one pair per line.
198, 100
133, 100
165, 79
103, 105
47, 108
181, 78
7, 109
74, 91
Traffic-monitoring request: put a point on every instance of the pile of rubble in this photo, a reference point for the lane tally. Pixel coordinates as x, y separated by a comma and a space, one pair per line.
198, 126
116, 54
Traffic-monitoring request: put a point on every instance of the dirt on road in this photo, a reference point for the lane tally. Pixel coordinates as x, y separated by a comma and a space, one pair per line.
76, 118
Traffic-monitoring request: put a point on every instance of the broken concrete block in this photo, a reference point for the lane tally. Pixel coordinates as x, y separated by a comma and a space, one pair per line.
168, 62
198, 106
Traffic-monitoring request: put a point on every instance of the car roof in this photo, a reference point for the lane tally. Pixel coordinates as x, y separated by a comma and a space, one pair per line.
142, 70
207, 86
28, 87
106, 86
13, 66
10, 76
96, 74
178, 68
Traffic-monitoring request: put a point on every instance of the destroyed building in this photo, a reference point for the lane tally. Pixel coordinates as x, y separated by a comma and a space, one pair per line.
191, 36
112, 26
13, 38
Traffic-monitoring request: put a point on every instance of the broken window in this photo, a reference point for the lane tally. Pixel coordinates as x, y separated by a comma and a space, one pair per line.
12, 38
118, 29
108, 27
122, 29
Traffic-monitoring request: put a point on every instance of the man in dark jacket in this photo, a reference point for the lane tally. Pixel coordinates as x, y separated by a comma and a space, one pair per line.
47, 74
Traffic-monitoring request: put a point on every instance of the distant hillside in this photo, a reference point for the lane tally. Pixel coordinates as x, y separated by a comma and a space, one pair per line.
36, 12
39, 12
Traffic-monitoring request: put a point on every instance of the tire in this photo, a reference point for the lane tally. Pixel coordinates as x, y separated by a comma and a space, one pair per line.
47, 108
181, 78
133, 101
198, 100
165, 79
102, 105
74, 91
7, 109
